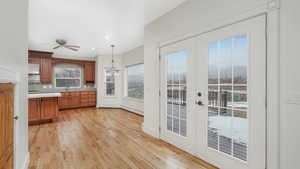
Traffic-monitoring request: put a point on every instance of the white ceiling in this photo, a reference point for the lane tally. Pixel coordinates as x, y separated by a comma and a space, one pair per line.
92, 24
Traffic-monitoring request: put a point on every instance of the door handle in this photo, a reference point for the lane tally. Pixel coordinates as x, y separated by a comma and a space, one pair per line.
16, 117
200, 103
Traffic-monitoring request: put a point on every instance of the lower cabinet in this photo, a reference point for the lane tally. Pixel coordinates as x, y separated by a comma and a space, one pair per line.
49, 108
41, 109
88, 99
70, 100
34, 109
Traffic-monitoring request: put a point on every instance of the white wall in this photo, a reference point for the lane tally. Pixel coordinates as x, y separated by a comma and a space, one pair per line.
13, 55
290, 84
132, 57
102, 99
197, 16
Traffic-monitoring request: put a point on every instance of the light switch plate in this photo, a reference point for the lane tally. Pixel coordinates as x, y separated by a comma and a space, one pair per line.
293, 99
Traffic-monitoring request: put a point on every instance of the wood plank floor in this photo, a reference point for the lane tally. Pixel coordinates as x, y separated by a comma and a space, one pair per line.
102, 139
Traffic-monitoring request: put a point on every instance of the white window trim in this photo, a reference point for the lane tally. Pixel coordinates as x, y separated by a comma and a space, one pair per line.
80, 78
105, 82
126, 83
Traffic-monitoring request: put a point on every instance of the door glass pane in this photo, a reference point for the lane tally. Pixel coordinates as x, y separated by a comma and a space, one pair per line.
176, 92
227, 96
225, 61
213, 74
213, 95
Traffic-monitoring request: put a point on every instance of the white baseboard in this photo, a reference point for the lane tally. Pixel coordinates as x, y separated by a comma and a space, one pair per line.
132, 110
116, 106
121, 107
27, 161
150, 131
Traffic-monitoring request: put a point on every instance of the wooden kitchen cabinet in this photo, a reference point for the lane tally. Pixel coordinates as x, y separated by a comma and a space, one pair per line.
74, 99
46, 62
41, 109
6, 126
49, 108
70, 100
34, 106
88, 99
89, 72
44, 59
46, 70
34, 60
63, 102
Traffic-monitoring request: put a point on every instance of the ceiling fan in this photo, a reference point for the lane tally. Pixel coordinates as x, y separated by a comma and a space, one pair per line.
63, 44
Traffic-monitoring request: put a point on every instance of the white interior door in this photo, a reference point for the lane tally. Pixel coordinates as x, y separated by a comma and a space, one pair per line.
176, 88
231, 77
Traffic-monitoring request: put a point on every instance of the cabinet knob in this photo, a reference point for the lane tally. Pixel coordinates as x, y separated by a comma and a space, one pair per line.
16, 117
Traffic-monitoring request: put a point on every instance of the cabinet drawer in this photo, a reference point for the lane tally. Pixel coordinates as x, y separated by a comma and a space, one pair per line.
74, 94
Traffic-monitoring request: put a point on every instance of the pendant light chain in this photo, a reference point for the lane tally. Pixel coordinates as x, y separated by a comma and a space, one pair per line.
112, 69
112, 55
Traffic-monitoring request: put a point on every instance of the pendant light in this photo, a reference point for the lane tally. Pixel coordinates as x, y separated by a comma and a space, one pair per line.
112, 69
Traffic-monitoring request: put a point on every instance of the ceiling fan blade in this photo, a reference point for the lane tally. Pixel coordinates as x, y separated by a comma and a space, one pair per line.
57, 47
73, 46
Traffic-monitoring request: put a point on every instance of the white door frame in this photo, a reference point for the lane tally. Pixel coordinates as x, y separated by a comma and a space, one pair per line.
271, 10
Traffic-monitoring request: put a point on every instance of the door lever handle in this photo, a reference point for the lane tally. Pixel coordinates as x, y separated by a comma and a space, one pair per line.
200, 103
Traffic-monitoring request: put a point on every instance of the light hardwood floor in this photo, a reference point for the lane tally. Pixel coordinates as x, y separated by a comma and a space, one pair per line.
102, 139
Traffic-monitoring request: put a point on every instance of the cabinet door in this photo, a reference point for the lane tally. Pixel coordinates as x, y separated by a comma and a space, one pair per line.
89, 72
84, 99
74, 99
49, 108
46, 70
63, 101
34, 60
92, 99
34, 109
6, 126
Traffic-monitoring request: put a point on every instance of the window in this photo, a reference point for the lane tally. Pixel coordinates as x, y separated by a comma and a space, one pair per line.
67, 77
227, 96
135, 81
176, 73
109, 83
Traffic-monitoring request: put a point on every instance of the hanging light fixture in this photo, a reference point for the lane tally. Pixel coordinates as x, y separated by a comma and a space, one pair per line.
112, 69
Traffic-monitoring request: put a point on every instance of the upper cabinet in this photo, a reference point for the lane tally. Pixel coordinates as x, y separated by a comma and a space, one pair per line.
44, 59
89, 72
46, 64
46, 70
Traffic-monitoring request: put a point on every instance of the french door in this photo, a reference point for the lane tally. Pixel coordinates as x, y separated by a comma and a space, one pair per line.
176, 91
225, 95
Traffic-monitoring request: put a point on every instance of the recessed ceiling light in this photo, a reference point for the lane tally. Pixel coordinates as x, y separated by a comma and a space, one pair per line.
107, 37
93, 49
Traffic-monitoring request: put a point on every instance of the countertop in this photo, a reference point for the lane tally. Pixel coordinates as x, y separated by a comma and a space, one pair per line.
63, 90
42, 95
56, 92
